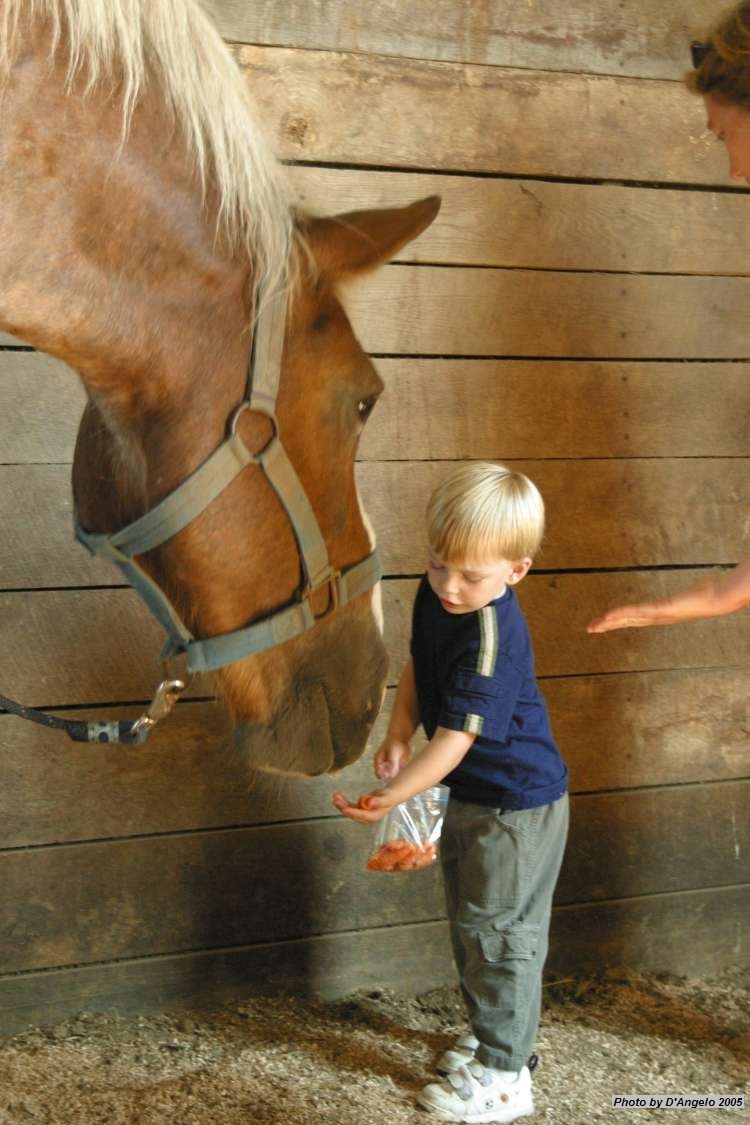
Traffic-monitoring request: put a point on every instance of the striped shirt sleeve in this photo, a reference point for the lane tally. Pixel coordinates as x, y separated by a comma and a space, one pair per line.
484, 687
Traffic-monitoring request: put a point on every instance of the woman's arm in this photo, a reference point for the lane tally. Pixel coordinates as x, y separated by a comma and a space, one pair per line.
711, 598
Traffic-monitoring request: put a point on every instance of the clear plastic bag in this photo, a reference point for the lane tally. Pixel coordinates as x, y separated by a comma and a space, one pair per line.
407, 837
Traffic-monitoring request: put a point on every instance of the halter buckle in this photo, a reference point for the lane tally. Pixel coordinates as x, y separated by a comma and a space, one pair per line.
331, 579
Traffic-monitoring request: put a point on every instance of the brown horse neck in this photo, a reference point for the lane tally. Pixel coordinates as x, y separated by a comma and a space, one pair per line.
130, 284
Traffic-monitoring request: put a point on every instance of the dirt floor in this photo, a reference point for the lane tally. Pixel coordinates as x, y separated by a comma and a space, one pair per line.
360, 1061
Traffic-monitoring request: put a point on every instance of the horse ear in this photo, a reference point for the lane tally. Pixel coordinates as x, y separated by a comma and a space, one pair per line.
362, 240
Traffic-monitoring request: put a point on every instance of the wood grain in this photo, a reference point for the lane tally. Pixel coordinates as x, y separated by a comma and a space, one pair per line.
330, 966
523, 223
440, 311
649, 933
600, 37
42, 404
441, 409
695, 934
404, 113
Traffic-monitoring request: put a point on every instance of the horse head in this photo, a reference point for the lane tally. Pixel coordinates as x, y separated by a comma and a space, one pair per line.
304, 706
138, 234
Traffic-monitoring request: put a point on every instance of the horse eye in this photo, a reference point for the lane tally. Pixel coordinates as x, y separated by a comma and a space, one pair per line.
364, 407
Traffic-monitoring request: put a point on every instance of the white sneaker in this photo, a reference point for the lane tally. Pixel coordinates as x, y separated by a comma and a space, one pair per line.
475, 1094
461, 1053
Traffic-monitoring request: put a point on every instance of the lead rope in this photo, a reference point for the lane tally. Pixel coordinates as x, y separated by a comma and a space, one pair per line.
126, 732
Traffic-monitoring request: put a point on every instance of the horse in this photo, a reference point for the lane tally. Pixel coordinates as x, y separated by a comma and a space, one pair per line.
145, 227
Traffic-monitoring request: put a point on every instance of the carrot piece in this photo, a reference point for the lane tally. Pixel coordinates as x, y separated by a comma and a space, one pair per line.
401, 855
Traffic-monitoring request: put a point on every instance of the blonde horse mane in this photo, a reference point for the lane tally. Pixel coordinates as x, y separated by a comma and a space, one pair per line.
175, 43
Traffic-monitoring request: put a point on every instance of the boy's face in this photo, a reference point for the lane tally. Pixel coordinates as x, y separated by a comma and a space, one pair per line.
465, 586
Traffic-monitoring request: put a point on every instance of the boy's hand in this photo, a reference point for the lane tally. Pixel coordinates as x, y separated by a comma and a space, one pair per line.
391, 757
369, 809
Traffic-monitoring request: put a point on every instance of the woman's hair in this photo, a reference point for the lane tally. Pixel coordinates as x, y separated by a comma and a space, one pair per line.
483, 511
724, 69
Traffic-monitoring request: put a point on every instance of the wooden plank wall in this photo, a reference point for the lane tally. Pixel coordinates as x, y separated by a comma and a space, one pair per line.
578, 309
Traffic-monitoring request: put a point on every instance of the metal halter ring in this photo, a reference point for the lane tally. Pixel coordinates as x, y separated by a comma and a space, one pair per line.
249, 407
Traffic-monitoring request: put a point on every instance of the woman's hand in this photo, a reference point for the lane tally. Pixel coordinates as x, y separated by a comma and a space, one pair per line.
631, 617
709, 598
369, 809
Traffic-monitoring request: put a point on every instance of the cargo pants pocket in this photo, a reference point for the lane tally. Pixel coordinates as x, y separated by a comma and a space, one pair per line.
511, 943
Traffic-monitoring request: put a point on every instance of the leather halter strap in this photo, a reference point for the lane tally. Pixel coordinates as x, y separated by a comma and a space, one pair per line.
181, 506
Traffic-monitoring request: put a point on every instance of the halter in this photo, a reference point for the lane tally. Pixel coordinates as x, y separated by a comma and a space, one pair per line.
181, 506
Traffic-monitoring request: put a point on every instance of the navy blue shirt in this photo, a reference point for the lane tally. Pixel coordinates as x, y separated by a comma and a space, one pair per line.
475, 672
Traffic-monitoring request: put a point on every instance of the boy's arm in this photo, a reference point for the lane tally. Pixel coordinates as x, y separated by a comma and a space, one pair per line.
394, 751
405, 714
442, 754
711, 598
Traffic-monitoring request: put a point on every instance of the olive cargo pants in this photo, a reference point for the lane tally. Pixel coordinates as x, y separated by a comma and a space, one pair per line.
500, 870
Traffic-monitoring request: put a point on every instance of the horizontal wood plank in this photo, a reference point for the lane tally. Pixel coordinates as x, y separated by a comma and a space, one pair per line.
77, 904
87, 647
695, 934
610, 514
599, 513
639, 934
616, 732
412, 959
412, 310
96, 902
533, 224
438, 409
441, 409
644, 842
603, 37
332, 107
651, 728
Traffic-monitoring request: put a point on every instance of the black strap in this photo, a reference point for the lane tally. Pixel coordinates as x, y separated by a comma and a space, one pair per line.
79, 730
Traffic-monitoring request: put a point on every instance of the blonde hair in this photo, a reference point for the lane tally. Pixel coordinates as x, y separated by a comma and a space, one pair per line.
174, 43
725, 68
484, 511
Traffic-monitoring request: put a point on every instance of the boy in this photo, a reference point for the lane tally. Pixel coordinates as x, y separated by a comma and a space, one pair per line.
470, 682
